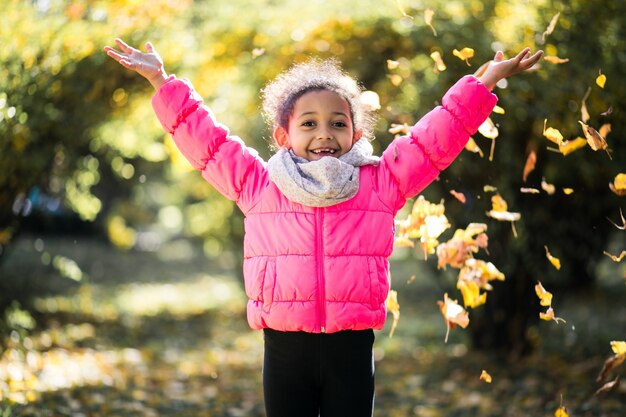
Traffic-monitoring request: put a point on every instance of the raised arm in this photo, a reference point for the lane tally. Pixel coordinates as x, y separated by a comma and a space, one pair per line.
147, 64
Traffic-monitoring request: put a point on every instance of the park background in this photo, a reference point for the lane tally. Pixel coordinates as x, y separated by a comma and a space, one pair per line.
120, 287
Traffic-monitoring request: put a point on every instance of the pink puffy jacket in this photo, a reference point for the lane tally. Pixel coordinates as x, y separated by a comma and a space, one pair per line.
320, 269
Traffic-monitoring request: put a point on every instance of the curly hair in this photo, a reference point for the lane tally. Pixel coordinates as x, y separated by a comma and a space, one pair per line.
280, 95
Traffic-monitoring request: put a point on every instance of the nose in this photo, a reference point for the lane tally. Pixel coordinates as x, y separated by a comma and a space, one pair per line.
324, 133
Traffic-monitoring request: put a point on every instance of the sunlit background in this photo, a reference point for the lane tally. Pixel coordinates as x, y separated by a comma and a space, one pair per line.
120, 267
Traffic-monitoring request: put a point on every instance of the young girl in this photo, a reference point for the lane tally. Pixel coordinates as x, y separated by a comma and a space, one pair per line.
319, 215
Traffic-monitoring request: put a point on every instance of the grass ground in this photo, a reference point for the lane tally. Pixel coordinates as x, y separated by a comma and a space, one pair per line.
164, 334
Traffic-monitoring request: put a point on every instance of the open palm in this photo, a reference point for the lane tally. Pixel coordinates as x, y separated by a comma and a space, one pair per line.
147, 64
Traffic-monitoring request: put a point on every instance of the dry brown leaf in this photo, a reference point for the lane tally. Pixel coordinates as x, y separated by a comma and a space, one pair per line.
610, 364
608, 387
594, 139
529, 166
584, 113
550, 27
623, 227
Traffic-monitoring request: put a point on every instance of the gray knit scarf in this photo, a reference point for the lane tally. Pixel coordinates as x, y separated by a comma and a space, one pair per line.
324, 182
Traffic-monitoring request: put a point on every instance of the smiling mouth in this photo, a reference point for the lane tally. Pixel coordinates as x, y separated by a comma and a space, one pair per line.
323, 151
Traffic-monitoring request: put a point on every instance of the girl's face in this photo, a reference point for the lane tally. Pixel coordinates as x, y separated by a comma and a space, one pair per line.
320, 125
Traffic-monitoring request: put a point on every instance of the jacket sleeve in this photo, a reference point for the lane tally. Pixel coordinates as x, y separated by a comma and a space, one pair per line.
412, 162
234, 169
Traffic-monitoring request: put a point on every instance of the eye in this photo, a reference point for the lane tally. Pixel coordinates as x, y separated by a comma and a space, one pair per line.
308, 123
340, 124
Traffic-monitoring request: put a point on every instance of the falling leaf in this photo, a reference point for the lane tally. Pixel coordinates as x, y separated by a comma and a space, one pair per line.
547, 187
608, 112
489, 188
601, 79
561, 412
617, 258
425, 222
403, 242
618, 347
608, 387
394, 308
465, 242
498, 110
529, 166
584, 113
453, 314
529, 190
464, 54
473, 147
604, 130
556, 262
550, 27
472, 297
459, 196
594, 139
440, 66
618, 186
570, 146
370, 100
499, 212
484, 376
391, 65
612, 363
552, 134
397, 129
545, 297
489, 130
428, 18
555, 59
550, 316
568, 191
623, 227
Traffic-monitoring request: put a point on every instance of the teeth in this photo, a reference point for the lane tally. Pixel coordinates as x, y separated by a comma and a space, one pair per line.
323, 150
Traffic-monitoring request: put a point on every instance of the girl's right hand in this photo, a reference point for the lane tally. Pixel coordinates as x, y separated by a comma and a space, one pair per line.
149, 64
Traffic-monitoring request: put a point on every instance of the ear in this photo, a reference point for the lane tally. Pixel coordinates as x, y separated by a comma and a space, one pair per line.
281, 137
358, 134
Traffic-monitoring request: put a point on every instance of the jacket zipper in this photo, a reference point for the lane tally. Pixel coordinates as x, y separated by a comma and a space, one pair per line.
320, 268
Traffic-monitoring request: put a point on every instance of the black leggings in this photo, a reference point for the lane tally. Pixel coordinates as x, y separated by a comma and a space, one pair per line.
311, 375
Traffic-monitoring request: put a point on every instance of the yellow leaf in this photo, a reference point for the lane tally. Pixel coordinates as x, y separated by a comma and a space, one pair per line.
616, 258
439, 64
550, 316
552, 134
459, 196
484, 376
471, 293
601, 80
498, 203
555, 59
568, 191
498, 110
464, 54
428, 18
395, 79
618, 347
561, 412
453, 314
570, 146
545, 297
619, 184
556, 262
394, 308
473, 147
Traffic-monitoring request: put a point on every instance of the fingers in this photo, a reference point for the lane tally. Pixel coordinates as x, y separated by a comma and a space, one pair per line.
123, 46
149, 47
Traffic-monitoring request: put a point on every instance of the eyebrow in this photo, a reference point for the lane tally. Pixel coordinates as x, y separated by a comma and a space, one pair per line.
337, 113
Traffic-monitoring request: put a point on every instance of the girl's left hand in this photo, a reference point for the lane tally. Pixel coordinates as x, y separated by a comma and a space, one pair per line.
493, 71
147, 64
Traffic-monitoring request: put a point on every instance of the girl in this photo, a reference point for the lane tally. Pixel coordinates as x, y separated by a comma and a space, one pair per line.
319, 215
